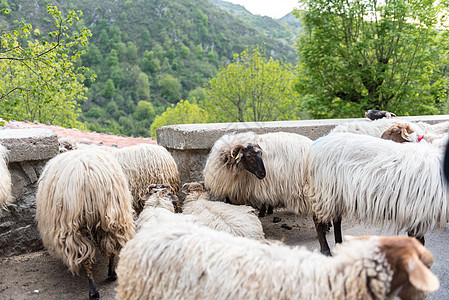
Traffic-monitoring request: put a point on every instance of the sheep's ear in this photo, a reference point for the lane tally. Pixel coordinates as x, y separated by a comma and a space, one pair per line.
237, 153
405, 135
420, 276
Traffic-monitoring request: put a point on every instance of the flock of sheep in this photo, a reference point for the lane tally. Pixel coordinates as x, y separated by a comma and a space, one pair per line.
124, 202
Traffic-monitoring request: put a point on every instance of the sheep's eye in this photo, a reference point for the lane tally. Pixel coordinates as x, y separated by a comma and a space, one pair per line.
394, 130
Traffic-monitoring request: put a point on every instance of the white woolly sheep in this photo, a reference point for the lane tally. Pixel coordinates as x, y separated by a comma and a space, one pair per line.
5, 183
179, 260
256, 169
160, 201
83, 201
239, 220
402, 132
67, 143
378, 127
378, 182
145, 165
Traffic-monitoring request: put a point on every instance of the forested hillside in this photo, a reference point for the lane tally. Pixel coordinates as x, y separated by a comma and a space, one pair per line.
149, 54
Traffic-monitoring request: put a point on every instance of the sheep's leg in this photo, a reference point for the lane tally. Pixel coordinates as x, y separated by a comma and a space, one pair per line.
321, 234
270, 210
419, 238
112, 276
93, 289
337, 231
262, 210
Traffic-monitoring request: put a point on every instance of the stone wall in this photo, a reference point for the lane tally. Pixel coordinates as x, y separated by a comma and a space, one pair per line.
191, 143
29, 150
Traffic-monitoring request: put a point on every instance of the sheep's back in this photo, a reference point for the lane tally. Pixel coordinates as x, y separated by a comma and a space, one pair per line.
83, 199
378, 181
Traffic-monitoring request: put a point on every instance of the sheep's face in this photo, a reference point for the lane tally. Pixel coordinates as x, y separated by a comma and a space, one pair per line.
399, 133
188, 188
411, 262
374, 114
250, 158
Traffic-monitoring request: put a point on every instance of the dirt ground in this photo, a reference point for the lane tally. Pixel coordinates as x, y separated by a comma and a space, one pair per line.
39, 276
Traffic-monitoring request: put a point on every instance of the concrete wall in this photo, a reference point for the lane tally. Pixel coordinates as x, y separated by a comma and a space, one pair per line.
191, 143
29, 150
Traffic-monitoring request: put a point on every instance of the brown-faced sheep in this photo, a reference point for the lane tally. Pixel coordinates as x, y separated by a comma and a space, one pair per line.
261, 169
402, 132
239, 220
376, 181
178, 259
83, 202
5, 181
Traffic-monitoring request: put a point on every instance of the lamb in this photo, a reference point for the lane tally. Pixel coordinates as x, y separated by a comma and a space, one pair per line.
238, 220
402, 132
160, 201
83, 201
378, 182
191, 262
262, 169
144, 165
5, 183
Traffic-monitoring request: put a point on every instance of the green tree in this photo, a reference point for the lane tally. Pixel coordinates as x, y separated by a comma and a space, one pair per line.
144, 111
142, 87
38, 78
170, 88
183, 113
359, 55
251, 88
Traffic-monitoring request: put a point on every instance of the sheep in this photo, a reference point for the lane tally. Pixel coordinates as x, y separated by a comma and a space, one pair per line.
5, 175
378, 127
144, 165
378, 182
159, 201
83, 201
374, 114
238, 220
67, 143
402, 132
179, 260
262, 169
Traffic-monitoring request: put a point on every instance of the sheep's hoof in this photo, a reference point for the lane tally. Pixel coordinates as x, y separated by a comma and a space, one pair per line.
326, 252
94, 295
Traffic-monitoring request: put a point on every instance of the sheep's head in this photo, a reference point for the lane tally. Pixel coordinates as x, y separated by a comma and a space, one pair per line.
410, 262
399, 133
163, 191
192, 187
374, 114
248, 157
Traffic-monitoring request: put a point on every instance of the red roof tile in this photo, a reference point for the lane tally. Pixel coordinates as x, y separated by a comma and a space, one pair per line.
85, 137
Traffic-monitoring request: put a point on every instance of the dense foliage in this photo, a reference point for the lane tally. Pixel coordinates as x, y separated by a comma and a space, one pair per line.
38, 79
252, 88
157, 51
365, 54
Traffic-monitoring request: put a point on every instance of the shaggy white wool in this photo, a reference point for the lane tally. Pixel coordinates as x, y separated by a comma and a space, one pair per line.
145, 165
378, 182
5, 181
239, 220
155, 205
83, 200
179, 260
284, 157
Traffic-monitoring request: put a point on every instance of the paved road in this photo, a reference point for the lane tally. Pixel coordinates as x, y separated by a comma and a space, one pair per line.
38, 276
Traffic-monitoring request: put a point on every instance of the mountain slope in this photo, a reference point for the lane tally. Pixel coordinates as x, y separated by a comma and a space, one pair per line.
148, 54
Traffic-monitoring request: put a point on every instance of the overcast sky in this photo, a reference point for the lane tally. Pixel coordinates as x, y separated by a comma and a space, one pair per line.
272, 8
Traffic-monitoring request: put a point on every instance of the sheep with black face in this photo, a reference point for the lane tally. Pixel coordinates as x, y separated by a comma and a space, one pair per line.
253, 169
